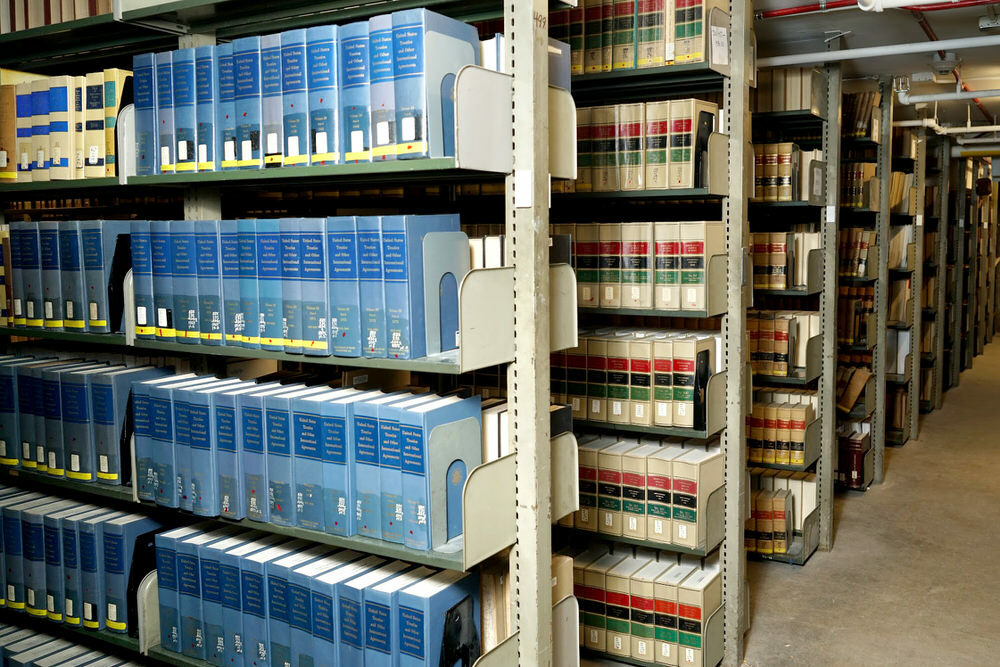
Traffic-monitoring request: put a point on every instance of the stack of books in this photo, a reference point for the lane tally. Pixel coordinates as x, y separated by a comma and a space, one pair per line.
853, 244
780, 501
787, 89
858, 115
853, 443
855, 179
776, 429
779, 339
781, 259
854, 306
782, 172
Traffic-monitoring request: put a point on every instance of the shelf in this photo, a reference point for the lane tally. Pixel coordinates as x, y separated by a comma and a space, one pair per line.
77, 635
715, 297
67, 336
621, 85
169, 657
814, 279
896, 437
784, 204
32, 480
811, 450
711, 653
60, 186
864, 406
788, 118
801, 376
803, 544
863, 346
900, 378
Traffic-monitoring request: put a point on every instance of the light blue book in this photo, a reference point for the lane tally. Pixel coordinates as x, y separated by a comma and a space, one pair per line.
191, 418
210, 557
246, 68
229, 458
350, 599
383, 100
187, 309
64, 416
230, 566
271, 111
367, 476
10, 422
17, 274
33, 535
279, 448
323, 82
22, 106
371, 272
211, 318
40, 128
315, 308
55, 578
225, 110
142, 280
163, 418
339, 500
229, 263
185, 111
189, 589
73, 285
15, 546
294, 98
253, 572
300, 616
146, 142
52, 304
381, 606
290, 230
202, 479
269, 285
123, 536
355, 99
142, 417
249, 294
390, 465
165, 135
429, 51
31, 275
403, 269
416, 426
161, 253
166, 583
279, 600
424, 609
105, 251
345, 297
207, 96
111, 399
253, 459
326, 609
72, 566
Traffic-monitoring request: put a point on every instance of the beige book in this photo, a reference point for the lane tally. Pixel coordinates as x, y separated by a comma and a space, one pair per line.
586, 517
786, 171
580, 563
576, 378
643, 598
597, 379
758, 172
609, 487
765, 343
604, 160
770, 172
696, 474
657, 145
761, 244
793, 89
763, 90
783, 434
79, 134
778, 260
663, 381
691, 32
691, 121
665, 601
698, 597
23, 151
799, 419
769, 432
8, 134
618, 605
659, 487
95, 141
593, 53
585, 150
667, 293
782, 330
634, 490
637, 264
617, 352
61, 146
640, 390
778, 86
755, 438
764, 517
699, 242
562, 577
610, 264
630, 145
686, 352
595, 579
588, 258
781, 534
114, 85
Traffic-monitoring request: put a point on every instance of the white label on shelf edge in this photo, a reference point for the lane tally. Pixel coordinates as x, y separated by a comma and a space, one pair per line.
831, 212
920, 220
523, 194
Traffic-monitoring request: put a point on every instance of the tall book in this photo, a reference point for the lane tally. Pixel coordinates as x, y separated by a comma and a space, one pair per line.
424, 608
272, 117
79, 133
253, 454
40, 148
269, 280
691, 123
106, 254
291, 283
381, 606
323, 81
247, 73
186, 308
652, 30
166, 129
23, 153
371, 277
31, 275
111, 404
315, 304
8, 134
118, 90
603, 146
593, 49
225, 110
279, 608
211, 318
73, 285
607, 34
249, 325
235, 649
142, 416
206, 80
630, 146
55, 559
253, 574
691, 34
610, 263
576, 39
588, 255
624, 38
390, 464
61, 128
656, 141
383, 98
142, 279
355, 98
213, 579
699, 241
161, 256
146, 121
295, 98
68, 440
166, 581
52, 303
229, 258
124, 539
584, 150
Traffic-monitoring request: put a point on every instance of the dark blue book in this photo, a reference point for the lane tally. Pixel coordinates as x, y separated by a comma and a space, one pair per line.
52, 303
124, 538
142, 280
162, 260
74, 286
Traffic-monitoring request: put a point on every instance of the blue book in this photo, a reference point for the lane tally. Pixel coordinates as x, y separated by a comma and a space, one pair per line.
383, 100
189, 549
269, 285
271, 111
367, 477
142, 280
246, 68
210, 557
294, 98
6, 501
55, 579
13, 549
31, 275
429, 51
307, 465
203, 476
326, 610
123, 537
249, 294
315, 299
403, 268
40, 133
34, 548
187, 310
279, 448
105, 245
17, 274
22, 106
345, 296
300, 617
164, 401
166, 583
72, 573
229, 459
355, 100
207, 95
146, 142
291, 283
373, 334
350, 599
253, 455
60, 134
185, 112
225, 110
210, 308
66, 420
10, 421
165, 113
279, 601
142, 417
421, 527
423, 610
48, 413
111, 401
229, 258
253, 576
48, 244
390, 465
339, 500
163, 268
72, 283
31, 400
380, 608
191, 412
323, 82
230, 574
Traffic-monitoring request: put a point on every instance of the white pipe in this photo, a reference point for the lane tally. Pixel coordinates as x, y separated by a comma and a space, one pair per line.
977, 140
880, 51
970, 129
905, 98
882, 5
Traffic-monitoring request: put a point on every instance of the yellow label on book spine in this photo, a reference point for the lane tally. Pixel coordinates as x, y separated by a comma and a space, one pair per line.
115, 625
211, 336
413, 147
325, 157
57, 472
229, 164
35, 612
9, 462
104, 323
294, 159
315, 344
145, 331
166, 333
75, 324
85, 476
206, 166
381, 151
272, 159
107, 475
186, 166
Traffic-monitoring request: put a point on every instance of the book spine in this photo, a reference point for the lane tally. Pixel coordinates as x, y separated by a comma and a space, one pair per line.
650, 28
253, 459
52, 303
592, 40
117, 563
92, 595
301, 625
79, 118
162, 265
17, 272
397, 287
73, 457
338, 464
367, 479
416, 500
211, 609
637, 281
249, 324
166, 129
410, 84
10, 441
192, 635
681, 168
351, 634
229, 264
315, 308
13, 548
162, 430
372, 296
40, 146
33, 561
247, 72
307, 430
616, 382
584, 150
383, 99
114, 85
230, 474
31, 267
684, 385
624, 34
295, 98
324, 615
656, 143
663, 388
180, 453
99, 243
607, 34
207, 97
272, 122
609, 495
23, 151
269, 277
200, 478
27, 405
104, 397
280, 481
60, 131
323, 82
693, 266
279, 632
291, 284
355, 100
343, 253
55, 591
232, 611
390, 475
225, 111
610, 265
211, 318
145, 471
577, 19
254, 613
74, 293
186, 309
142, 280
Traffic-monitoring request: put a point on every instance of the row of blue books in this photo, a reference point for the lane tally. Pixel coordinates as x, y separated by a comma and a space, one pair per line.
375, 90
71, 562
343, 461
242, 598
350, 286
68, 275
68, 417
22, 647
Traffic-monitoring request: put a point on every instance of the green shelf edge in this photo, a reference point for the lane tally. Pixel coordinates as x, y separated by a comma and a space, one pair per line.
55, 28
670, 431
69, 336
687, 193
58, 186
28, 479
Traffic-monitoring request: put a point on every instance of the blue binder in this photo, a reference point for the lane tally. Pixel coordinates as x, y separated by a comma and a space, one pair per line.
142, 416
187, 310
373, 334
207, 96
56, 559
300, 613
307, 468
17, 273
166, 582
65, 388
255, 599
212, 585
290, 230
246, 67
166, 153
203, 477
326, 607
229, 257
52, 303
315, 308
146, 139
383, 99
229, 443
161, 254
121, 537
323, 77
279, 600
254, 450
423, 610
249, 295
367, 477
350, 599
185, 110
380, 608
230, 574
142, 280
225, 110
355, 100
211, 315
272, 121
390, 465
31, 275
189, 589
269, 285
70, 529
295, 98
33, 536
343, 256
105, 243
339, 499
73, 286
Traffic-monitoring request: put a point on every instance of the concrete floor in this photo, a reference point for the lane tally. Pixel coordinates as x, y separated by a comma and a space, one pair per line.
914, 574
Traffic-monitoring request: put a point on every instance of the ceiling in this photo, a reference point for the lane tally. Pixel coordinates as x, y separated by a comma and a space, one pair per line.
980, 68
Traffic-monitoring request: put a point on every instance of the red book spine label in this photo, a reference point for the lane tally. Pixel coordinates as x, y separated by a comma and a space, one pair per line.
640, 365
633, 479
610, 476
666, 607
663, 365
693, 248
689, 611
658, 482
685, 486
683, 365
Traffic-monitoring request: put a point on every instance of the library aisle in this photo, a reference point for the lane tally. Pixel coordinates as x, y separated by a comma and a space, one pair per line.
913, 575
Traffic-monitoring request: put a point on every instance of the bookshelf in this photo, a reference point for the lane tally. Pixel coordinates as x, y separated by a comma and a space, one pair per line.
936, 220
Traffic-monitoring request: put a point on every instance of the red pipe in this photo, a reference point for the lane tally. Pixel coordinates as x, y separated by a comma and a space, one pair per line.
841, 4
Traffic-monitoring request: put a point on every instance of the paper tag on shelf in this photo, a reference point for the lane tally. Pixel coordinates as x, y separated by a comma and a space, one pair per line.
523, 193
668, 52
3, 158
88, 611
682, 409
79, 159
31, 310
920, 220
576, 404
50, 603
10, 594
720, 45
40, 454
31, 597
618, 642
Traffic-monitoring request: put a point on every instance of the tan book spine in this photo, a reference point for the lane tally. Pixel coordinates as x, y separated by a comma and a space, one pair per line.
597, 379
778, 261
779, 366
681, 162
604, 126
576, 379
785, 170
609, 488
657, 141
778, 90
637, 265
23, 123
617, 380
685, 363
793, 89
770, 172
631, 156
758, 172
780, 514
765, 535
610, 264
659, 472
770, 433
8, 134
698, 597
584, 150
668, 290
797, 431
783, 435
595, 582
765, 343
663, 382
634, 492
588, 260
756, 440
640, 391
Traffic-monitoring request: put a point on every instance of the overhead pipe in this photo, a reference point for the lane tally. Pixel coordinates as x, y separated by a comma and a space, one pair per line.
817, 7
977, 140
882, 5
879, 51
979, 151
905, 98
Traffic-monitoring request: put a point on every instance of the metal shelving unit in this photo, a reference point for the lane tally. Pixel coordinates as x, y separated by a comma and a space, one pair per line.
939, 220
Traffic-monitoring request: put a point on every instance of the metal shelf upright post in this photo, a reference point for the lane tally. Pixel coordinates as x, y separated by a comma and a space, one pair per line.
941, 262
883, 171
956, 178
916, 289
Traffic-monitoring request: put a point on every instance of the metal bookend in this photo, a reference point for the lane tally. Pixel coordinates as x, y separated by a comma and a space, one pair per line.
817, 183
718, 164
147, 597
488, 505
503, 654
129, 292
565, 477
563, 319
718, 33
562, 134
